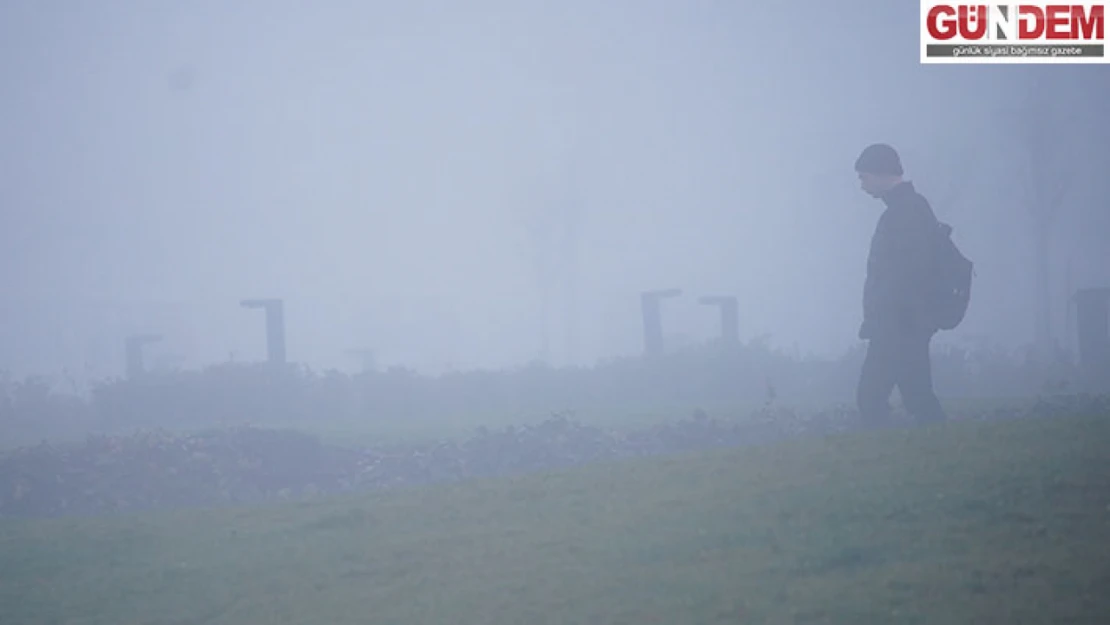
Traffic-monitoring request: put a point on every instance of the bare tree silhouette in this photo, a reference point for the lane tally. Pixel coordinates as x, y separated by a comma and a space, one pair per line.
554, 225
1047, 131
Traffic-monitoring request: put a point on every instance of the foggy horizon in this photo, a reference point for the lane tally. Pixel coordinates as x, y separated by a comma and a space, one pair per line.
409, 179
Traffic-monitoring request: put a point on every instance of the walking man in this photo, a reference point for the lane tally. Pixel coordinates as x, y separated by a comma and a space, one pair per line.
896, 320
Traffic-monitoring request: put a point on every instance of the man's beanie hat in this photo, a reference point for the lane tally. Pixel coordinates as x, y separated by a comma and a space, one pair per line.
879, 158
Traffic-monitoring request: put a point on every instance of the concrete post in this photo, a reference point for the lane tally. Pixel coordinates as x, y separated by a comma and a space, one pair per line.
134, 349
729, 307
275, 326
1092, 324
652, 318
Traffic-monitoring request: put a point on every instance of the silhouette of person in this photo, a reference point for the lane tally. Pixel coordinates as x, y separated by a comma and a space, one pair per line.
896, 323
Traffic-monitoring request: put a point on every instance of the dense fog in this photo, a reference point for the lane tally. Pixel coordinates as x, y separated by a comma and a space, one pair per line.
459, 185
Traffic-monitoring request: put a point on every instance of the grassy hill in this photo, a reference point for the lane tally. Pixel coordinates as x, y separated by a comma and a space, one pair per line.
967, 523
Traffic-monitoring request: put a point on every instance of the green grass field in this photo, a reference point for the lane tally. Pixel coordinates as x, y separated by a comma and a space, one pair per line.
978, 523
387, 429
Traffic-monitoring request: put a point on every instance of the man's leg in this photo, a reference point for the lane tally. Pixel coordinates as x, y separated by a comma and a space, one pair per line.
915, 380
876, 381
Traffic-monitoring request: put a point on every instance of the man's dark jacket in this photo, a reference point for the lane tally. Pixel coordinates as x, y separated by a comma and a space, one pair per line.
894, 294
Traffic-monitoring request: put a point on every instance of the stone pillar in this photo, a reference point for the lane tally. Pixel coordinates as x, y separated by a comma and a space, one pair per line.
275, 326
134, 347
653, 321
1092, 324
729, 306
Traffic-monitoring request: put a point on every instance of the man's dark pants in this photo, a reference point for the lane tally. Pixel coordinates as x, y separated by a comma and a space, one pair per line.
898, 360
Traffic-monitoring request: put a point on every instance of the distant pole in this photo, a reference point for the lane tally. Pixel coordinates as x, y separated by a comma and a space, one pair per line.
730, 316
1069, 314
1092, 312
653, 320
134, 349
275, 326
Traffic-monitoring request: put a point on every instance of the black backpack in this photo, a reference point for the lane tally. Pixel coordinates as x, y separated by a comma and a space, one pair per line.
952, 274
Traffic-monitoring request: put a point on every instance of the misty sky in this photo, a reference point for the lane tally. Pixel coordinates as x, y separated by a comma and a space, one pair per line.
409, 175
